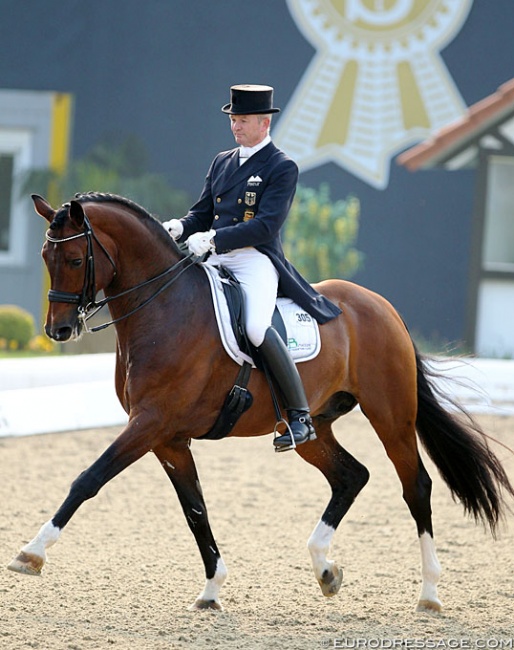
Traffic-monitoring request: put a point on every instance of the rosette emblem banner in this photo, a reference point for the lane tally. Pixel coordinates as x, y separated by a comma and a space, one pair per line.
376, 84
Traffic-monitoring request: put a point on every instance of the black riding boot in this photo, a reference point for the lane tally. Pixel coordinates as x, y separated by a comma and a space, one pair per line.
285, 374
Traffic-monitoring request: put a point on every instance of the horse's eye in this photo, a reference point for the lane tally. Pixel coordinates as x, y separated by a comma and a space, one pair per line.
77, 262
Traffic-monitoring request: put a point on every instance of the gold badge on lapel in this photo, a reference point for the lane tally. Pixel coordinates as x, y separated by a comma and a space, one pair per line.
250, 198
248, 215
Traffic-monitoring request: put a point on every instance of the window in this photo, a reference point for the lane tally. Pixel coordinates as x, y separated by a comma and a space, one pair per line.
498, 251
6, 183
14, 160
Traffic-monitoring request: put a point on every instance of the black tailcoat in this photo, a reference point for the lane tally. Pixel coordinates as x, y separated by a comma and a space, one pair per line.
247, 206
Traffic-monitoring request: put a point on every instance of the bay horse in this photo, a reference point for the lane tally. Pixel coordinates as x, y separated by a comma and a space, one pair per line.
173, 374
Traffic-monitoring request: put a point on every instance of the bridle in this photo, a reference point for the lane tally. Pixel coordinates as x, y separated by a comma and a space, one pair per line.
88, 294
87, 305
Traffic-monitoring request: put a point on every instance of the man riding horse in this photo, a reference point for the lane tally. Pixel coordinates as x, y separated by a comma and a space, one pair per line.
244, 203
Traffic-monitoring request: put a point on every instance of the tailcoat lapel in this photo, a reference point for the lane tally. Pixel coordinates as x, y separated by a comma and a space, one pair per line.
235, 173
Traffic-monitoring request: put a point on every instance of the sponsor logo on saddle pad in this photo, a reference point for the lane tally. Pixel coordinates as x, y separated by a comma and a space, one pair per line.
303, 338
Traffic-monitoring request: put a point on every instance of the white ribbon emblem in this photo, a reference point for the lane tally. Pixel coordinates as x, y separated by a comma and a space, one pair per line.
376, 84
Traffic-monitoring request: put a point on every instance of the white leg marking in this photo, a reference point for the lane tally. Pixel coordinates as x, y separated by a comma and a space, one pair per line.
326, 571
47, 536
430, 572
319, 546
210, 593
32, 556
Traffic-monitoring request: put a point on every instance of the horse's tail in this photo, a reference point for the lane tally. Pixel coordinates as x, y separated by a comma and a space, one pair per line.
460, 451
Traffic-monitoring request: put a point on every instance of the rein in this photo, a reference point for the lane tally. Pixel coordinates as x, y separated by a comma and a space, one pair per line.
95, 307
87, 305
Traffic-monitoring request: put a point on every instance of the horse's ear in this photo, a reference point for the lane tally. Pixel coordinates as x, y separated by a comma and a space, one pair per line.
43, 208
77, 214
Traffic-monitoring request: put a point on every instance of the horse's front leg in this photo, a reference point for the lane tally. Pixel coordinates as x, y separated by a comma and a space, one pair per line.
131, 445
179, 465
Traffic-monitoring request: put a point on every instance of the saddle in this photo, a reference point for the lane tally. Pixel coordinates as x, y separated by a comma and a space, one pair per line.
298, 329
235, 302
228, 298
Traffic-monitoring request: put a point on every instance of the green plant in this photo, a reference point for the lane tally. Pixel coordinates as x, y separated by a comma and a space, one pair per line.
320, 234
114, 165
17, 327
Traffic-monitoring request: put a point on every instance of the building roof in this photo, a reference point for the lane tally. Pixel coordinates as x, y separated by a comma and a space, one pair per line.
457, 144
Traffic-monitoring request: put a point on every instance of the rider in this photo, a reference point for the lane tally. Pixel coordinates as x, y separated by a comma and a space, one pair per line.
245, 200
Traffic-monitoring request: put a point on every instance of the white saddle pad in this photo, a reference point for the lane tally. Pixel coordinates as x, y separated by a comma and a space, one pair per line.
303, 339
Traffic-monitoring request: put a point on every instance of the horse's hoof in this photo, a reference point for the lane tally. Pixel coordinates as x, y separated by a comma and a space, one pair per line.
331, 580
430, 606
27, 563
201, 604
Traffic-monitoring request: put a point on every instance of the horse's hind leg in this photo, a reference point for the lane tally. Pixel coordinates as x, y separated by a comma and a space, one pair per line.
417, 494
346, 477
401, 446
179, 465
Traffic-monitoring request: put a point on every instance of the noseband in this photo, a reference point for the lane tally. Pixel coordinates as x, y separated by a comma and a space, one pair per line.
87, 305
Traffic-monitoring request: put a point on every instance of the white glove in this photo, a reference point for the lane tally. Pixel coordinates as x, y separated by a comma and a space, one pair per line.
173, 227
200, 243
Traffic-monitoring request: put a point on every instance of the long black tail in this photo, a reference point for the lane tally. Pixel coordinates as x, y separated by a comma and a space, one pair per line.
460, 451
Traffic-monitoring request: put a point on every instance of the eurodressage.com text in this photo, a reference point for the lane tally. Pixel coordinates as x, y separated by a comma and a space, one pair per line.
417, 644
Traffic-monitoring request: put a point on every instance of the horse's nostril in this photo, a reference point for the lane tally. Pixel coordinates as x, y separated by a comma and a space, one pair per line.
60, 333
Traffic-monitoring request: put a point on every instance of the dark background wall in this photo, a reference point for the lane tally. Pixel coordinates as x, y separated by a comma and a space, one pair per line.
162, 69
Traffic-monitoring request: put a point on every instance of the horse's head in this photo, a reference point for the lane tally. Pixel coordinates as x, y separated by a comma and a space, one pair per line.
79, 265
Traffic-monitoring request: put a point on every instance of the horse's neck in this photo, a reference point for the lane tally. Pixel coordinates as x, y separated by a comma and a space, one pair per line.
140, 253
167, 298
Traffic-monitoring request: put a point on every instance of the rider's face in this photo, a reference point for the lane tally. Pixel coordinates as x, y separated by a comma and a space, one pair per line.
249, 130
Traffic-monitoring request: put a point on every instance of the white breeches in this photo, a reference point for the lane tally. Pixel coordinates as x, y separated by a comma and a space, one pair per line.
259, 281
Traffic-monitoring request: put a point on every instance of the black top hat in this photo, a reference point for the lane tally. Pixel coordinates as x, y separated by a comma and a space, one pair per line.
249, 99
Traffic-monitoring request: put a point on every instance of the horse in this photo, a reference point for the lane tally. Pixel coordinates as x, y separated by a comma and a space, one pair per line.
172, 377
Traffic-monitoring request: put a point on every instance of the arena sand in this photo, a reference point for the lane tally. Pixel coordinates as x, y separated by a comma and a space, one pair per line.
126, 568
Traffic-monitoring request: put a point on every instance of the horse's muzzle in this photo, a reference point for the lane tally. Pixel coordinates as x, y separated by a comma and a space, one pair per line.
63, 332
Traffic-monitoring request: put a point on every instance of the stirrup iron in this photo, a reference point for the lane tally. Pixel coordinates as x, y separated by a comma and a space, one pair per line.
277, 434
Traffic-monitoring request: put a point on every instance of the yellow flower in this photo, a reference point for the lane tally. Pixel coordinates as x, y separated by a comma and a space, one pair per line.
41, 344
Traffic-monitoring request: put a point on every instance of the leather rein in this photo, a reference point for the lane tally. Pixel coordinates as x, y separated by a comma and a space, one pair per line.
87, 305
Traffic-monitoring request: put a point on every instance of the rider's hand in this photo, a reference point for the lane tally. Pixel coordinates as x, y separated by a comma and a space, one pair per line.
173, 227
200, 243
